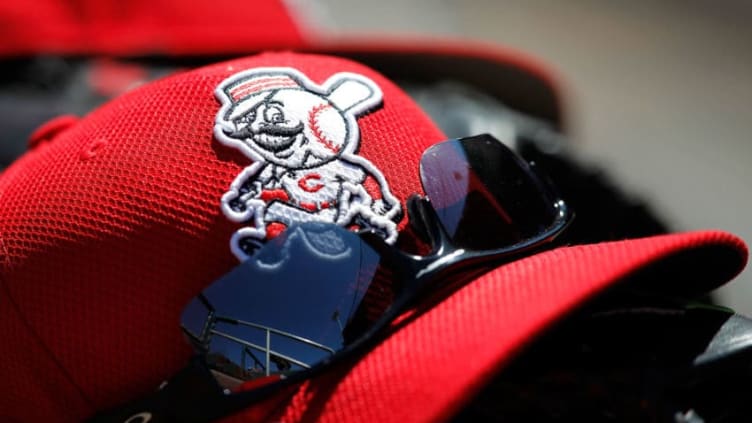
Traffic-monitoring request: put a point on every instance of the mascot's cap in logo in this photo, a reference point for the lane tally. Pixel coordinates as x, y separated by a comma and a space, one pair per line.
259, 84
110, 225
251, 91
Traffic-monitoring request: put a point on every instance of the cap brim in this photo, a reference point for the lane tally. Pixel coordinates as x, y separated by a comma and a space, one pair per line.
426, 370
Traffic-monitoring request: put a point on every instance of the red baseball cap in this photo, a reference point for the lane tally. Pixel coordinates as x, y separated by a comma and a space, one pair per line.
111, 224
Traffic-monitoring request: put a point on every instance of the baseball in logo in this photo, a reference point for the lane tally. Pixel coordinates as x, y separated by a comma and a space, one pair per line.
302, 139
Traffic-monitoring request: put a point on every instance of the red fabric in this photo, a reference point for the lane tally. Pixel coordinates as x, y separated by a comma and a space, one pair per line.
426, 370
31, 377
112, 226
139, 27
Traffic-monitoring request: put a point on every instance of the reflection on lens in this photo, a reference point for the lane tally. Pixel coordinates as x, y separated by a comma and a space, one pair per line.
297, 301
484, 194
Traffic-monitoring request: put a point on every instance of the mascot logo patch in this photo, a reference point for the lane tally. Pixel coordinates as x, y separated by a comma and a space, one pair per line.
303, 140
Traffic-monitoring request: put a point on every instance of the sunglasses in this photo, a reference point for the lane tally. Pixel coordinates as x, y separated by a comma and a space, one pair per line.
318, 294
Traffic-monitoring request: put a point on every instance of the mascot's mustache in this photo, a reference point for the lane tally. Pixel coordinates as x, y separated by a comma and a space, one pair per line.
269, 129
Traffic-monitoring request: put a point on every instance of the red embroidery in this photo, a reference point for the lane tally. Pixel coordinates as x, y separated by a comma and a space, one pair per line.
305, 186
313, 207
255, 85
308, 206
275, 194
273, 229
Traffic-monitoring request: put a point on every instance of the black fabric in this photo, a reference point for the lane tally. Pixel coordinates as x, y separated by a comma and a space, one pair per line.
621, 364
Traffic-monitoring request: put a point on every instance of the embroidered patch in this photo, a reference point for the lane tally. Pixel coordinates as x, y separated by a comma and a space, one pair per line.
303, 139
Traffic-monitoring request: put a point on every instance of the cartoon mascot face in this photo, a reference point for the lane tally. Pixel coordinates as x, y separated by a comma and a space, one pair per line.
278, 115
303, 140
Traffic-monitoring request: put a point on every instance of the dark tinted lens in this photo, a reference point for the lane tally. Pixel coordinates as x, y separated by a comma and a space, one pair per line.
486, 196
298, 300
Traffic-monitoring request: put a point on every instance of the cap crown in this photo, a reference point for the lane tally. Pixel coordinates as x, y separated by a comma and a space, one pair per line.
109, 229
